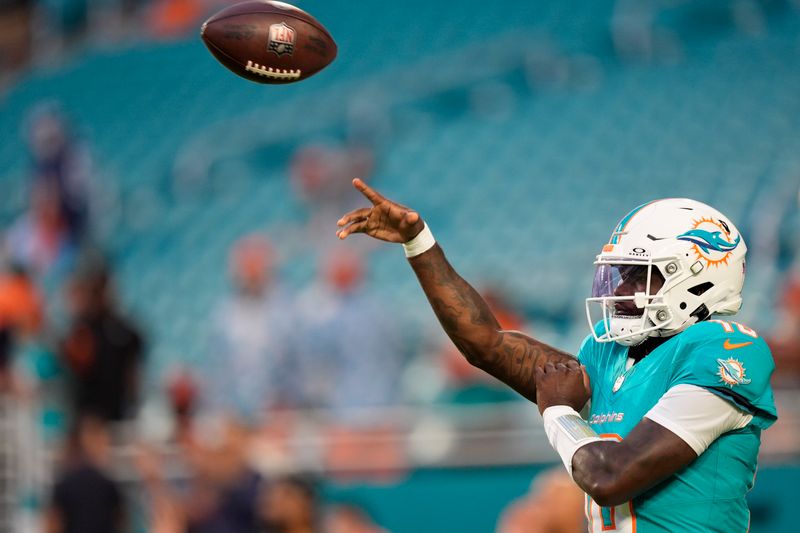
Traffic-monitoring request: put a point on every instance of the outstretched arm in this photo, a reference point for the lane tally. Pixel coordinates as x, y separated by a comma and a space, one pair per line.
510, 356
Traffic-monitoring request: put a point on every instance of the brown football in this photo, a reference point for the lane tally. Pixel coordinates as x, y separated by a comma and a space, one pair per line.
268, 42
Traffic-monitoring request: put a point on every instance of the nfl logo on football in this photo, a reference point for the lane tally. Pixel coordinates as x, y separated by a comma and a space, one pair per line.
281, 39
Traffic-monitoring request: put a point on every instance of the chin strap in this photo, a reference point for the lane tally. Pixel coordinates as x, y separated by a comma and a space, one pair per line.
635, 338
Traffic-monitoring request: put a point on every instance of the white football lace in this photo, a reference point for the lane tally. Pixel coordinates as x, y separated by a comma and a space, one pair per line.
275, 73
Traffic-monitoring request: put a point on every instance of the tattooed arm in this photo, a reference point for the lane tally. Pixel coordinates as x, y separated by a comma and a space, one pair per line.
510, 356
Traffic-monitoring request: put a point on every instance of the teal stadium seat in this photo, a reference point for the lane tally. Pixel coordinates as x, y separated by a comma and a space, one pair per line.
525, 196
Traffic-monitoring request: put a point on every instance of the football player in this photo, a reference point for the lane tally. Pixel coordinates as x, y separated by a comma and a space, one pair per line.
679, 398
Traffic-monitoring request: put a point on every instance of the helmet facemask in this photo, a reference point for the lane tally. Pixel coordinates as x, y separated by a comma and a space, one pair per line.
627, 301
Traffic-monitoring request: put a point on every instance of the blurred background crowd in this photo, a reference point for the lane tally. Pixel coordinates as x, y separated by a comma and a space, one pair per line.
185, 345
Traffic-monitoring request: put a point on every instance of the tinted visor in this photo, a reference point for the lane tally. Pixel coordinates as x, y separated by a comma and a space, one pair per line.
625, 280
609, 278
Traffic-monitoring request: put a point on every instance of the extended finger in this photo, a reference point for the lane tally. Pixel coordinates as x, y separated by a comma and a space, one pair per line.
371, 194
355, 227
354, 216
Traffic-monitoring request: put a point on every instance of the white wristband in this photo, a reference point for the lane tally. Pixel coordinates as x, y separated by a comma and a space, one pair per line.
423, 242
567, 432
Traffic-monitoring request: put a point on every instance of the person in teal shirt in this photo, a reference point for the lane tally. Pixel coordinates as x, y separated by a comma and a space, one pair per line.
675, 398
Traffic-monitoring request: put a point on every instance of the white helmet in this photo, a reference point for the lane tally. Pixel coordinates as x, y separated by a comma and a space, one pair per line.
699, 260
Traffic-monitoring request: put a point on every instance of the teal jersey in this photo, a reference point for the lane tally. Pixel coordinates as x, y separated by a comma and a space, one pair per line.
729, 360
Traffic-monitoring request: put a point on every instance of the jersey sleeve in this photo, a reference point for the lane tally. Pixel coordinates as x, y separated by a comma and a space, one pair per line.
697, 415
732, 362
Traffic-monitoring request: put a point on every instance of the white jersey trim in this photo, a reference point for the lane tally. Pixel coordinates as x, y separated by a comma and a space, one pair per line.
697, 415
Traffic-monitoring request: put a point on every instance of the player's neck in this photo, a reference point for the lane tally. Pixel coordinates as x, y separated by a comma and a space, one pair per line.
640, 351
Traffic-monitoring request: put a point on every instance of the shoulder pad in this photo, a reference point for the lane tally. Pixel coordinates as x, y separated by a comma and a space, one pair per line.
730, 359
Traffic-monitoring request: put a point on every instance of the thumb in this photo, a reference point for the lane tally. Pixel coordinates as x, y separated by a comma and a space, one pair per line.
412, 217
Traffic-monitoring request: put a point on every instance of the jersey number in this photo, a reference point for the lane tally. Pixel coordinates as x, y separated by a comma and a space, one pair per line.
741, 327
620, 518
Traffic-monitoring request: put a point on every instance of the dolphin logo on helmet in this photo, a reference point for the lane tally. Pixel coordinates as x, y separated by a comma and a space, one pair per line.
708, 241
712, 240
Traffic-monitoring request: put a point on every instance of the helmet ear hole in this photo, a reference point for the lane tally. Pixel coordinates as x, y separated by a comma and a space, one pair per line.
697, 290
682, 305
701, 313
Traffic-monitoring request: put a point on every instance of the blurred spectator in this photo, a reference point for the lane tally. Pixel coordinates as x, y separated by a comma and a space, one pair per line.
349, 519
102, 350
85, 499
62, 167
350, 348
290, 505
16, 35
250, 369
351, 354
183, 396
225, 491
554, 504
39, 239
632, 28
46, 238
174, 18
21, 316
785, 338
321, 176
164, 511
66, 22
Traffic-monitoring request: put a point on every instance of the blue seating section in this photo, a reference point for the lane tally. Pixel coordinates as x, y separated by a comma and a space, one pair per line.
521, 195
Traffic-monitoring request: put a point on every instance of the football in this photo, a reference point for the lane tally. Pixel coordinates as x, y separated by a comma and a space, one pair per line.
268, 42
